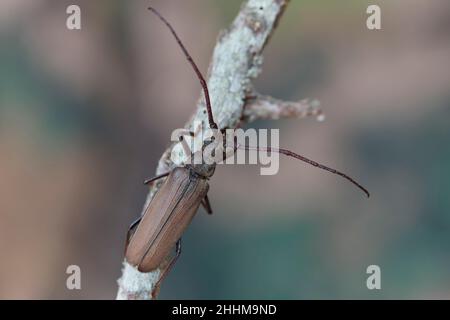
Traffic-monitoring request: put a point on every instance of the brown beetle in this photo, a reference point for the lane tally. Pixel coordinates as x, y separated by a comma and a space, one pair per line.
167, 216
151, 238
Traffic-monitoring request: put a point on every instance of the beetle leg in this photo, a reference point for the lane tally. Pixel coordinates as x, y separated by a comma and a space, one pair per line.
156, 178
169, 267
207, 205
131, 231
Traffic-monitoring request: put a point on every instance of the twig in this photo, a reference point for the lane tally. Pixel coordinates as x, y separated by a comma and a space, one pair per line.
259, 107
235, 62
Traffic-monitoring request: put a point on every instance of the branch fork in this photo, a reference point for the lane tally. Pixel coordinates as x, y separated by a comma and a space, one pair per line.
236, 61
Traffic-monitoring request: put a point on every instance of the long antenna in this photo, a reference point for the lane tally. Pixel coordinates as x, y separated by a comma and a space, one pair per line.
309, 161
212, 124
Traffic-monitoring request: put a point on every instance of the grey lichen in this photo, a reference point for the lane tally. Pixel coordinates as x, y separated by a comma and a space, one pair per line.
135, 285
267, 108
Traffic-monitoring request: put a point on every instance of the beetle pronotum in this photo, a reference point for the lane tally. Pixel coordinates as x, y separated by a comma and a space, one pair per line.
151, 237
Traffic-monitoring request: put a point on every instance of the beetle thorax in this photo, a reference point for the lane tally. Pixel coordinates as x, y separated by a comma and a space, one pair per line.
203, 170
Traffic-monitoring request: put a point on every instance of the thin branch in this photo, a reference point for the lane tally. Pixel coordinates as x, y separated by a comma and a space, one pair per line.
236, 61
259, 107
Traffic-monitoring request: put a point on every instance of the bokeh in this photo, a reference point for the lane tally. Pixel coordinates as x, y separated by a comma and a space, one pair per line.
85, 116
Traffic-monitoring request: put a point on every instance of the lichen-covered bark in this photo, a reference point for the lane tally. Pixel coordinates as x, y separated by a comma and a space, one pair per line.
237, 59
261, 107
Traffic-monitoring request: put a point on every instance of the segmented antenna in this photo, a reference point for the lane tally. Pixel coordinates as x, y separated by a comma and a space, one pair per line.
309, 161
212, 124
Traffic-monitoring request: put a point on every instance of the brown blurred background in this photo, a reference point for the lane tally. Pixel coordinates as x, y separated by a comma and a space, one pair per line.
85, 115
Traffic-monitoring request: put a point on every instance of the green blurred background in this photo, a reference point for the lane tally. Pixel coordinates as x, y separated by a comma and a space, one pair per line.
85, 115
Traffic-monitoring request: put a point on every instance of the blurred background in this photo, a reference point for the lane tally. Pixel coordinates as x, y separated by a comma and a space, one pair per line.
85, 116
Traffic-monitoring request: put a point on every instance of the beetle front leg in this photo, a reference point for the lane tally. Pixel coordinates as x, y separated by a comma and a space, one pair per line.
169, 267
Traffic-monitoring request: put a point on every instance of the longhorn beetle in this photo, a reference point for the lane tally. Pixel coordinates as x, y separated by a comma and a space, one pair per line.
151, 237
